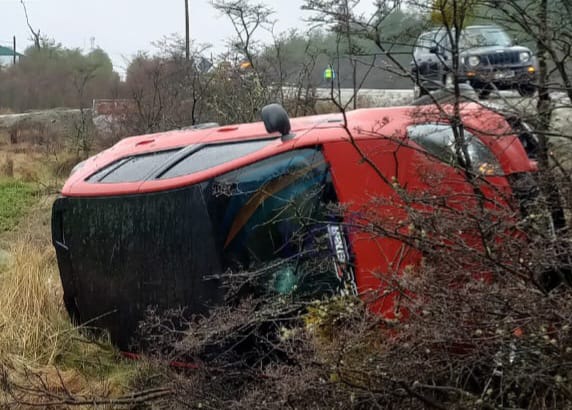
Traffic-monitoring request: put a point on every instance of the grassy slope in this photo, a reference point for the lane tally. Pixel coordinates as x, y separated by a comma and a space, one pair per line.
15, 199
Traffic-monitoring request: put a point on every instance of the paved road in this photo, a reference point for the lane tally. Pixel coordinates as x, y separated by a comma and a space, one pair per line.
385, 98
510, 100
504, 100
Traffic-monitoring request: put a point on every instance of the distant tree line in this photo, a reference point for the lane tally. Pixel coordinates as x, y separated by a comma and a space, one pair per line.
56, 76
53, 75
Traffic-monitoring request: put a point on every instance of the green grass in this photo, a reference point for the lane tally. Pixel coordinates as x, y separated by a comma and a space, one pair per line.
16, 197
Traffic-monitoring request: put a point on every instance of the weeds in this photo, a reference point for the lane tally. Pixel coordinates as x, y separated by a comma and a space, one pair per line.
40, 349
31, 318
15, 199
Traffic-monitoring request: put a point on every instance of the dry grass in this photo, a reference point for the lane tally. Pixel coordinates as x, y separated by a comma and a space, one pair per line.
25, 163
39, 347
6, 111
43, 357
31, 315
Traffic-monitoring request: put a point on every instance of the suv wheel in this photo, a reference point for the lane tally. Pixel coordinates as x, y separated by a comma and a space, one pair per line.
526, 90
484, 93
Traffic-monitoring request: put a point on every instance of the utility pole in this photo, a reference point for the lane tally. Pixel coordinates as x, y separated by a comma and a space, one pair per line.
187, 37
14, 49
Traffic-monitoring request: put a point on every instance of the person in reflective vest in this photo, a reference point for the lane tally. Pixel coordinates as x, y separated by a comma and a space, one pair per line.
329, 74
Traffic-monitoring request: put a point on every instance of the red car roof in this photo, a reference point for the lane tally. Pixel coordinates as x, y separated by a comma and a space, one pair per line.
308, 131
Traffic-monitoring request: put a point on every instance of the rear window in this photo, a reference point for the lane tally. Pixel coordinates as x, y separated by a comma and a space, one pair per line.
213, 155
132, 169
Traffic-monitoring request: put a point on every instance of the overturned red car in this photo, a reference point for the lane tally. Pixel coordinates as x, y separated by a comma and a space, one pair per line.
157, 220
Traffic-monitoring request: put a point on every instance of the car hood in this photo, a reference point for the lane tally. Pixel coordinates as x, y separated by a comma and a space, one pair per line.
493, 49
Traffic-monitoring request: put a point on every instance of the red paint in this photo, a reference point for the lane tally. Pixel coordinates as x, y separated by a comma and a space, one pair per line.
227, 129
144, 142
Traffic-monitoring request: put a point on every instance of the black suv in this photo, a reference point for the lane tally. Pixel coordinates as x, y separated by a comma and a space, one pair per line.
488, 60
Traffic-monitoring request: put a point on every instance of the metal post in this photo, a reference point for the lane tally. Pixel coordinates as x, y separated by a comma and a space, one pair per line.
187, 36
14, 49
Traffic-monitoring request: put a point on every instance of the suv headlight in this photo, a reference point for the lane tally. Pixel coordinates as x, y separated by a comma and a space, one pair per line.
473, 61
524, 56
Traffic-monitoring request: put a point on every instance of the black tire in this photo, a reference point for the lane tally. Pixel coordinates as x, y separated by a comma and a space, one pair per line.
484, 93
526, 90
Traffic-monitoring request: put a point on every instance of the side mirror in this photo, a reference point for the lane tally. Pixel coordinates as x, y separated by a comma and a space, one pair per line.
275, 118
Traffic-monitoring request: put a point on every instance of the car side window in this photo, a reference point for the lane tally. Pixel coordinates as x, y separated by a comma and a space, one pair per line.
212, 155
444, 44
432, 40
131, 169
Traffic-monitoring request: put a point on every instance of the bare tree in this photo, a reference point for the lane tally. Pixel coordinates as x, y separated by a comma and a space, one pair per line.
246, 18
82, 75
35, 33
187, 33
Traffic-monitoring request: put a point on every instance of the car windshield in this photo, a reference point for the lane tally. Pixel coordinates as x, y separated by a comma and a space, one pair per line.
484, 38
439, 141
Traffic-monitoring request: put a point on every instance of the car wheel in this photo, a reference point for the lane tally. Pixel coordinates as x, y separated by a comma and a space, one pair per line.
526, 90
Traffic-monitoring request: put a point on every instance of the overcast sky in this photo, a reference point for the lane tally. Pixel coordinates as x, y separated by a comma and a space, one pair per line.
123, 27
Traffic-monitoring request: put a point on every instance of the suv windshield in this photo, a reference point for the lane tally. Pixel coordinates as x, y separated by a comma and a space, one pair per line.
484, 37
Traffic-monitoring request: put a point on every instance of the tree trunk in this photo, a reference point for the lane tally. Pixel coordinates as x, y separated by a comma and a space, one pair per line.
544, 109
187, 32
